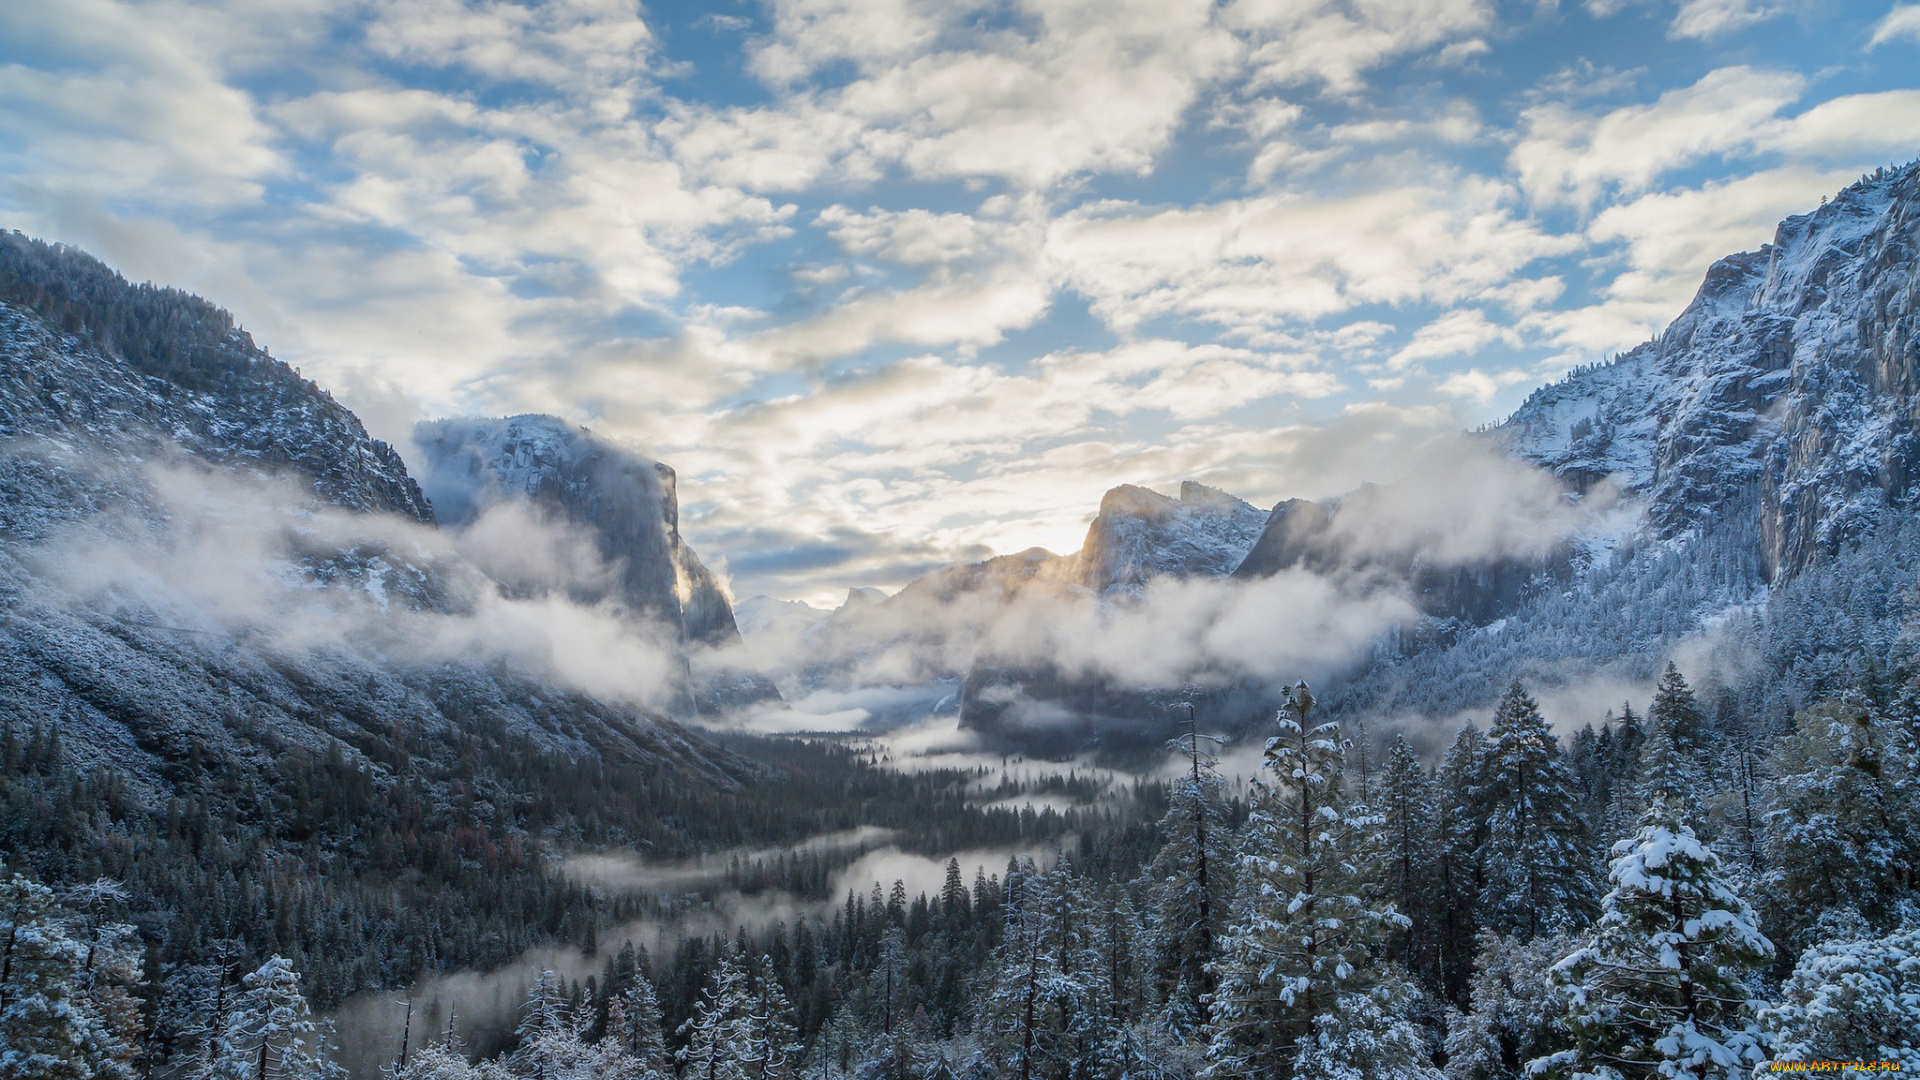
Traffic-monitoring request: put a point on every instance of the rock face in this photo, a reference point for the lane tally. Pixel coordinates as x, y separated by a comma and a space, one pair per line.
110, 392
1139, 535
628, 506
1784, 396
1301, 534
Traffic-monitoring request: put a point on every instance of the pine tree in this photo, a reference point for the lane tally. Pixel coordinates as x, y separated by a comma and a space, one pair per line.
1460, 873
771, 1042
1192, 875
1844, 825
1409, 826
719, 1036
271, 1033
634, 1023
1659, 988
1852, 999
1514, 1016
50, 1027
1299, 984
1537, 879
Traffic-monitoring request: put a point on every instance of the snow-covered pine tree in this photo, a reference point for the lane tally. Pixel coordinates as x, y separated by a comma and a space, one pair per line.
50, 1027
1040, 1004
772, 1042
1673, 749
635, 1025
1460, 870
1192, 882
1409, 842
1538, 878
1843, 828
719, 1035
1660, 986
1623, 775
1515, 1015
1852, 999
1301, 989
270, 1032
440, 1061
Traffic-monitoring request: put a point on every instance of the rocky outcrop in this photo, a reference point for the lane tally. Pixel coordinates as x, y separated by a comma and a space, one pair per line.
1784, 396
1140, 534
626, 504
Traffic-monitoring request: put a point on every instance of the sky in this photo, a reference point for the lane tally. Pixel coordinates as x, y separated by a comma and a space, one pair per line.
899, 283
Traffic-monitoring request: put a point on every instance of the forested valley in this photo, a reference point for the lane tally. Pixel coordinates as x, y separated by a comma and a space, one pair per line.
1680, 889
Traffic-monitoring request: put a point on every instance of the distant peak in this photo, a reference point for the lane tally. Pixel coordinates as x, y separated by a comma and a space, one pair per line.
1194, 493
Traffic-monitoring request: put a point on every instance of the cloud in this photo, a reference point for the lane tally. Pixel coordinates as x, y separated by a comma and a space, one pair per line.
1459, 331
1708, 19
1078, 87
121, 105
1255, 266
257, 559
1901, 22
1333, 43
1566, 156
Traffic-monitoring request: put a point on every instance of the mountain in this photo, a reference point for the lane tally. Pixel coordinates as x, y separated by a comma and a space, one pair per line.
244, 673
627, 505
1785, 394
1140, 534
1767, 441
1716, 485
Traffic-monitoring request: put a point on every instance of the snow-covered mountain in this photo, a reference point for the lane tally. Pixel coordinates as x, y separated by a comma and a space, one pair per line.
1785, 394
1766, 439
1140, 535
626, 505
202, 553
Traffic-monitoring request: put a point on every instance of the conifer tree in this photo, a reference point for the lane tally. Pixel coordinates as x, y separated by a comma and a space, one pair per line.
1851, 999
720, 1036
1460, 870
1537, 877
1300, 986
50, 1027
1514, 1017
1192, 875
634, 1024
1844, 825
271, 1033
1408, 827
1659, 987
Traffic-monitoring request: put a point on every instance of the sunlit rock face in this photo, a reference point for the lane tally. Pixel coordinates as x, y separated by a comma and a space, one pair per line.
625, 504
1140, 535
1768, 427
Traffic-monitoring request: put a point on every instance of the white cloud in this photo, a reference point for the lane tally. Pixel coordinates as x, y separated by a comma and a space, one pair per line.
1708, 19
1080, 86
1459, 331
1901, 22
591, 47
1480, 385
128, 107
1256, 265
1566, 156
1333, 43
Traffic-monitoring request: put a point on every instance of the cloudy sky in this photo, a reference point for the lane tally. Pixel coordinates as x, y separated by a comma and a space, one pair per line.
895, 283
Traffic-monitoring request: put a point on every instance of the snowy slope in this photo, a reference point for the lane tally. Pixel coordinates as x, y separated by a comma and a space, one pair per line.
1783, 395
198, 549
